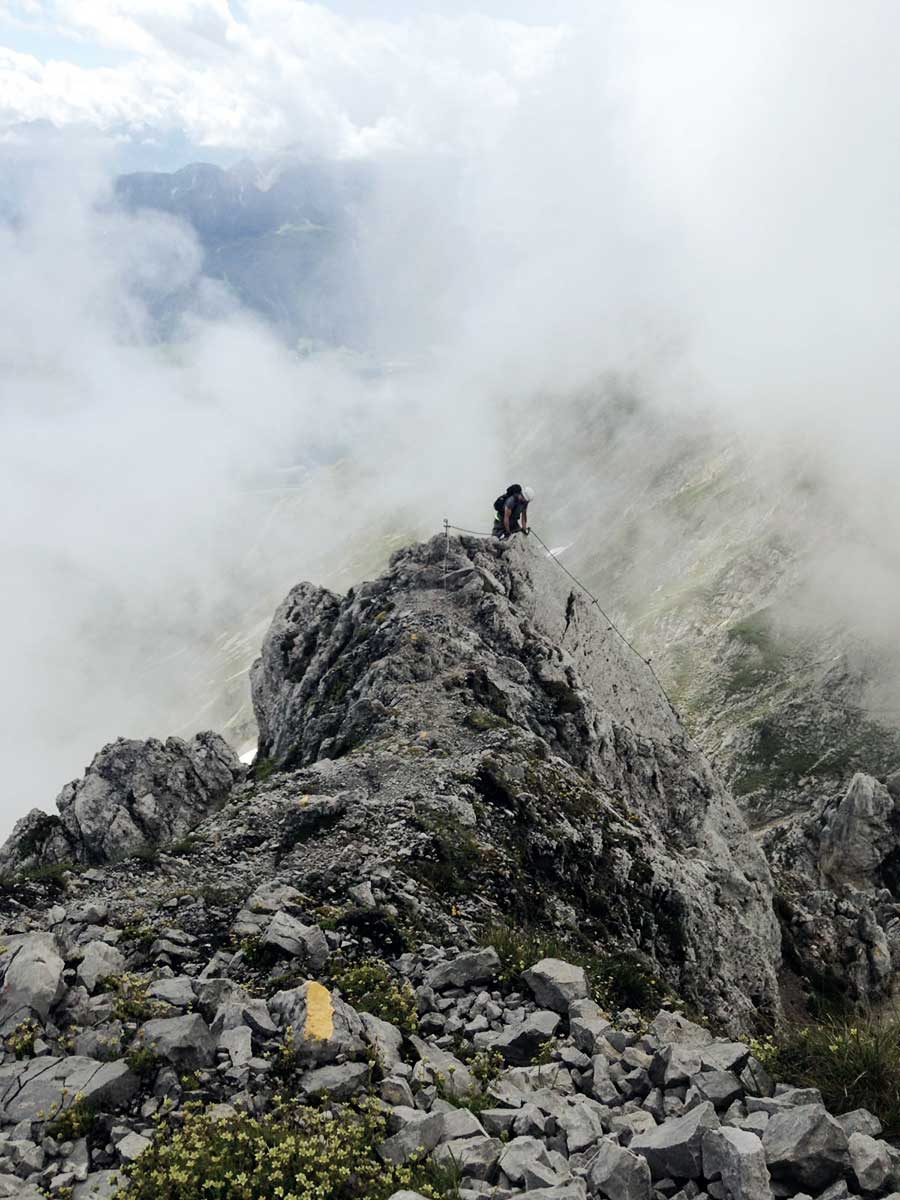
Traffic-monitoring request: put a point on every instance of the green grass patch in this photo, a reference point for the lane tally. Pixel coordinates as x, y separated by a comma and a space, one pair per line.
854, 1061
54, 875
147, 855
451, 860
183, 846
263, 769
760, 659
482, 720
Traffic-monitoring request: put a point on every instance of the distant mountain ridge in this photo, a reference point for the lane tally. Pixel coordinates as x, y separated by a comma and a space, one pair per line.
279, 237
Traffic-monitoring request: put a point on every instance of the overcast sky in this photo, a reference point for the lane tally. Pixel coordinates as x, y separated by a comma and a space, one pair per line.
703, 194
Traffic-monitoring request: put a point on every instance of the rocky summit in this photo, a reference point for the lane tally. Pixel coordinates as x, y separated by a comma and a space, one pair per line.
450, 921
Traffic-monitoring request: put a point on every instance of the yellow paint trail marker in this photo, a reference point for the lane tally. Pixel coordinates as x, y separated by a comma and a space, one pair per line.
319, 1013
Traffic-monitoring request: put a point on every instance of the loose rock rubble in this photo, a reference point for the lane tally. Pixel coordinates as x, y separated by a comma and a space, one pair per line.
620, 1108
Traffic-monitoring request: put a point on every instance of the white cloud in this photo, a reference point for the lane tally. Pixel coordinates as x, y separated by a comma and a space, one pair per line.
289, 73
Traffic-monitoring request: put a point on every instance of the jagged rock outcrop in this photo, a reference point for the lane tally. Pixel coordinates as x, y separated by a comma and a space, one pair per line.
134, 794
472, 674
454, 745
837, 868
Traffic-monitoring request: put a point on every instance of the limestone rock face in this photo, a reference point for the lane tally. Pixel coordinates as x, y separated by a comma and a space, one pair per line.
133, 794
836, 872
860, 834
589, 793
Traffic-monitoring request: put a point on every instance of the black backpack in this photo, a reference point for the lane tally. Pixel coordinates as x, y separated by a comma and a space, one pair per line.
514, 489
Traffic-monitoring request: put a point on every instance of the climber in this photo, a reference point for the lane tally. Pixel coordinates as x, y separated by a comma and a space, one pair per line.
511, 511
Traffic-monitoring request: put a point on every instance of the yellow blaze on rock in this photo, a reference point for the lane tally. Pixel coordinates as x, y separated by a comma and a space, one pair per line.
319, 1013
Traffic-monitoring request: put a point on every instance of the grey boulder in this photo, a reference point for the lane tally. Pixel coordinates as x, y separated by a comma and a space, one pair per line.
859, 834
99, 961
736, 1158
306, 942
805, 1148
475, 1158
337, 1082
618, 1174
870, 1161
138, 793
520, 1155
587, 1025
385, 1039
44, 1087
178, 991
675, 1064
451, 1073
674, 1027
675, 1148
521, 1042
721, 1088
556, 984
476, 966
31, 979
186, 1042
860, 1120
422, 1136
322, 1025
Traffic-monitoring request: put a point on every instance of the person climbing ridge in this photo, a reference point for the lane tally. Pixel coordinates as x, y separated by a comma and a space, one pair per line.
511, 511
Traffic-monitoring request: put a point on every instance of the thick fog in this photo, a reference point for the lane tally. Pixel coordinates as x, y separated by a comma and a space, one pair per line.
698, 198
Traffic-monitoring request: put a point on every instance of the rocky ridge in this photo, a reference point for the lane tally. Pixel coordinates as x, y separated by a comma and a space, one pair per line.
836, 868
461, 744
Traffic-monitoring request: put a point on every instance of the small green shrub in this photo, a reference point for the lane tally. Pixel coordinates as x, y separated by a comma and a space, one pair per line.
257, 956
293, 1153
147, 855
373, 987
139, 932
76, 1121
452, 860
853, 1061
21, 1040
54, 875
131, 1002
487, 1066
183, 846
143, 1060
263, 769
218, 897
544, 1056
482, 720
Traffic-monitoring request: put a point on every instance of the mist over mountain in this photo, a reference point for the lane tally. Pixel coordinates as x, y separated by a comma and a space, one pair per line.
647, 259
